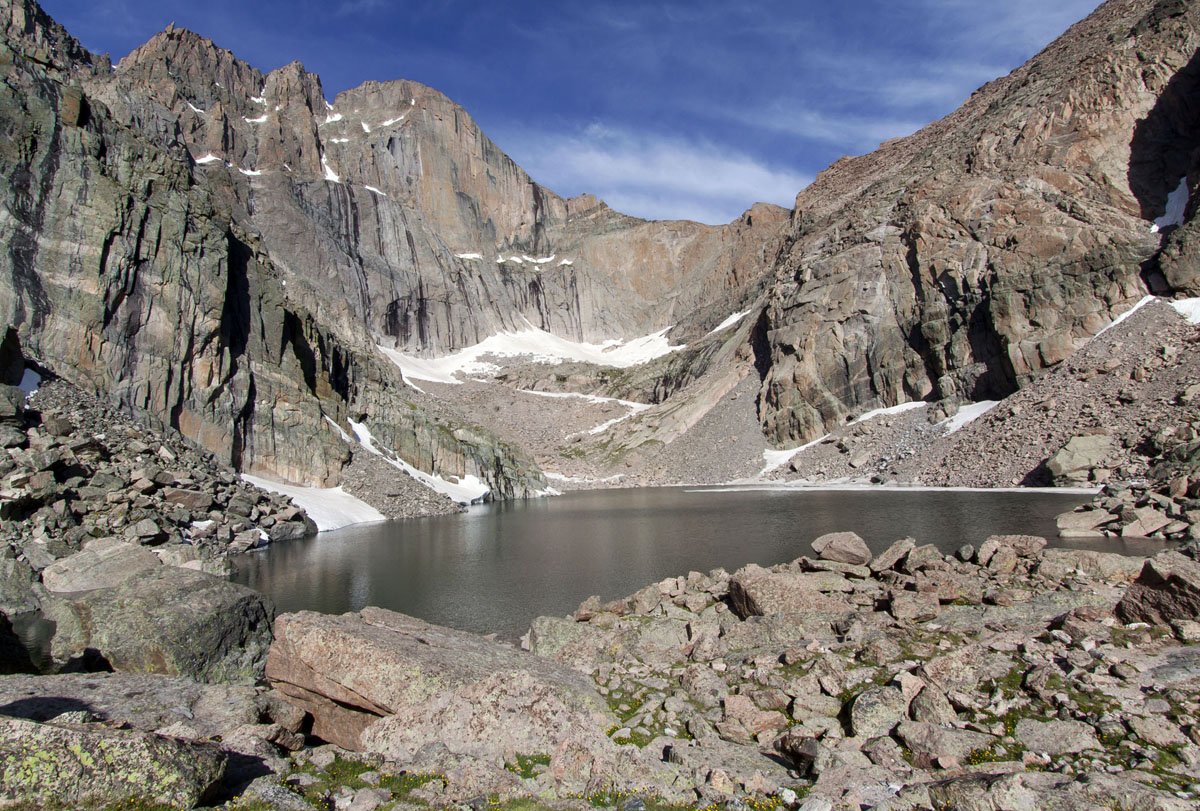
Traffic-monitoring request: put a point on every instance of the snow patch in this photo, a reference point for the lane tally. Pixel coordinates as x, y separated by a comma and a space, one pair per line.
1142, 303
392, 121
475, 256
468, 489
967, 414
773, 460
728, 322
341, 431
366, 129
330, 175
328, 507
209, 158
538, 344
567, 262
249, 172
332, 118
258, 100
195, 109
1189, 308
339, 140
558, 477
374, 190
30, 380
1177, 202
262, 119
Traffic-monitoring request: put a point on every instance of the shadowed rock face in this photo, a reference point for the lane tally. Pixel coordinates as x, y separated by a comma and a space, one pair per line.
963, 260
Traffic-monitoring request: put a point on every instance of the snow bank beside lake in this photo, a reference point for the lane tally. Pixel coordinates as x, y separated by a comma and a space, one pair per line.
328, 507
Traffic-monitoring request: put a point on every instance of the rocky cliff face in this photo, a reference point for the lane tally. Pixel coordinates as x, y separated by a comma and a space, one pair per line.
962, 261
224, 250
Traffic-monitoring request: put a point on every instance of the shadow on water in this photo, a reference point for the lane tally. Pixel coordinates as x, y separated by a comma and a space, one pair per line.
497, 567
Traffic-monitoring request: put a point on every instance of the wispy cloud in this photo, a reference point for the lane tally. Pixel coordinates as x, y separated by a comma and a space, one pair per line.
653, 176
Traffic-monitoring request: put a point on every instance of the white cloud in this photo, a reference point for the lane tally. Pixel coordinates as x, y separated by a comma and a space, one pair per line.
653, 176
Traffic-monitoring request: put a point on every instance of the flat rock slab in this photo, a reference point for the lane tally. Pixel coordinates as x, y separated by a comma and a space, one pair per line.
1056, 737
173, 621
388, 683
100, 565
755, 591
143, 701
90, 764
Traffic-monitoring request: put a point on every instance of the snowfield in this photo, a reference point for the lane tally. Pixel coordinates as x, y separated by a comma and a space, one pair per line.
537, 344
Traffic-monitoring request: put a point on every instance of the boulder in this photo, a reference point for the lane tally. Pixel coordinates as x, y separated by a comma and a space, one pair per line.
930, 742
393, 684
143, 701
889, 557
1056, 737
93, 765
1059, 564
1073, 463
104, 563
876, 711
1142, 522
1167, 589
755, 591
843, 547
169, 620
1023, 546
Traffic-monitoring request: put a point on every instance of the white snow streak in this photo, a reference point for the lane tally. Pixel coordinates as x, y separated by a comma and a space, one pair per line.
332, 118
773, 460
249, 172
374, 190
1176, 207
392, 121
468, 490
567, 262
366, 129
880, 412
339, 140
195, 109
262, 119
475, 256
634, 408
728, 322
330, 175
258, 100
1144, 301
540, 345
967, 414
328, 507
209, 158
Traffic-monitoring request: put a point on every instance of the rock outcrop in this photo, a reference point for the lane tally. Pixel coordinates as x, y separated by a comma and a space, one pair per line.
392, 684
963, 260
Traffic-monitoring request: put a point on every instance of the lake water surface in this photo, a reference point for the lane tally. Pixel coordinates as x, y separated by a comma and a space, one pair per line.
498, 566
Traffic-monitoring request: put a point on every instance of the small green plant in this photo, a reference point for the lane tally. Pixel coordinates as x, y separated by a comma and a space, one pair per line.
528, 766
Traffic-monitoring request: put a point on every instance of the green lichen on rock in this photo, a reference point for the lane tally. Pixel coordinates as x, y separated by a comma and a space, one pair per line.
75, 767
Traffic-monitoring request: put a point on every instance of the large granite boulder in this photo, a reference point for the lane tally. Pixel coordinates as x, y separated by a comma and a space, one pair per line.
1075, 461
388, 683
843, 547
77, 766
1167, 589
755, 591
104, 563
168, 620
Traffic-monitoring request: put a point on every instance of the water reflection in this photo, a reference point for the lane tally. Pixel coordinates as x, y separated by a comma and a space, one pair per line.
496, 567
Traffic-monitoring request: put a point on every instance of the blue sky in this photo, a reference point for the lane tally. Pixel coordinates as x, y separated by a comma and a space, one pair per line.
664, 109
